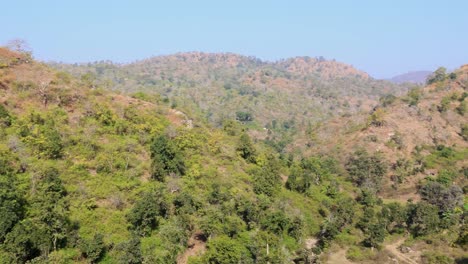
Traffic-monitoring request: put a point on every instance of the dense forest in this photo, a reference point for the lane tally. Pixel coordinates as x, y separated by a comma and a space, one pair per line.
197, 158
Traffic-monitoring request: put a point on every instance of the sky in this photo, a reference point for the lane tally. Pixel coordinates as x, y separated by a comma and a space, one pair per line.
383, 38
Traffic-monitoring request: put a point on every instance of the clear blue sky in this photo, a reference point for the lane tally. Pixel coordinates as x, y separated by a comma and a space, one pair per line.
381, 37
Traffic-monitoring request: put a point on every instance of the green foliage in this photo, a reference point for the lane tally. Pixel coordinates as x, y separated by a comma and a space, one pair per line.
129, 252
462, 108
436, 258
413, 96
145, 214
224, 250
311, 171
93, 249
341, 215
232, 127
444, 104
244, 116
377, 118
366, 170
11, 205
444, 197
402, 169
375, 235
423, 218
246, 149
387, 100
166, 158
394, 217
438, 76
464, 132
5, 117
267, 180
43, 137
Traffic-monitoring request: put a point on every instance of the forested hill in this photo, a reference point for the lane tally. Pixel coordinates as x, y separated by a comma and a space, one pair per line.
91, 175
285, 94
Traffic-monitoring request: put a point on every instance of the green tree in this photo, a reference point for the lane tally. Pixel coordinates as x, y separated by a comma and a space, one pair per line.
246, 149
166, 158
93, 249
129, 252
244, 116
366, 170
146, 212
11, 201
445, 198
267, 179
423, 218
5, 117
225, 250
394, 216
375, 235
438, 76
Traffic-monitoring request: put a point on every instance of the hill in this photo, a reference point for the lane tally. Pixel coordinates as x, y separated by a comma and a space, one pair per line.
92, 175
418, 77
421, 135
282, 96
89, 175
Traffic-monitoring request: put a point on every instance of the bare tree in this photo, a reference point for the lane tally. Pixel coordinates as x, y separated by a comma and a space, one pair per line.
19, 45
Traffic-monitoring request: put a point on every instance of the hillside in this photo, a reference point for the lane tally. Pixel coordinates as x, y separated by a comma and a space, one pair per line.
281, 96
91, 175
424, 131
418, 77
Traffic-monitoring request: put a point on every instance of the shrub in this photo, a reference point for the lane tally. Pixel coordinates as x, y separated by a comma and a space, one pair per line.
423, 218
244, 116
145, 214
93, 249
366, 170
246, 149
377, 118
267, 179
438, 76
227, 251
166, 158
5, 118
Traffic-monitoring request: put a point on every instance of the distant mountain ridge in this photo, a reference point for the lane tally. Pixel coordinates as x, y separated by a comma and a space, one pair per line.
411, 77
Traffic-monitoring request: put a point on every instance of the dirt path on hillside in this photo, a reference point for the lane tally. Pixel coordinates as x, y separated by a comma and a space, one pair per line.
395, 251
338, 257
196, 246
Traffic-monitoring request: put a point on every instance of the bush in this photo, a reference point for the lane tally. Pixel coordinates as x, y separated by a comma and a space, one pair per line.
246, 149
145, 213
445, 198
93, 249
267, 180
464, 132
5, 118
166, 158
423, 218
129, 252
244, 116
366, 170
387, 100
224, 250
438, 76
436, 258
377, 118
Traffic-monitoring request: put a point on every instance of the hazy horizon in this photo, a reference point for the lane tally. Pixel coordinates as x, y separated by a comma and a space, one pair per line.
382, 39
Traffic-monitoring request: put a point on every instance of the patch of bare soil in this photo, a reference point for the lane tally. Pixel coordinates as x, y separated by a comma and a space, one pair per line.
338, 257
196, 247
410, 257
